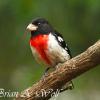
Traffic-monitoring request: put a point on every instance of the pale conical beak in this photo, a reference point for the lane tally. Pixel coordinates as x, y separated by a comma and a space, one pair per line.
31, 27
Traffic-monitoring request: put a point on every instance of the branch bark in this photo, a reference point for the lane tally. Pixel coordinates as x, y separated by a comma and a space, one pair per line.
65, 73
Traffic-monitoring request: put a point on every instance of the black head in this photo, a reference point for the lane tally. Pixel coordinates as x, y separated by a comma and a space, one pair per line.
39, 26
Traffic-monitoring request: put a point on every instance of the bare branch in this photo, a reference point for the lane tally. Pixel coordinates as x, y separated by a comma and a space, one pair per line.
66, 72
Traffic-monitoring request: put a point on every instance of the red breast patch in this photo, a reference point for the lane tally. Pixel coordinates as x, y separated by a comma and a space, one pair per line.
40, 44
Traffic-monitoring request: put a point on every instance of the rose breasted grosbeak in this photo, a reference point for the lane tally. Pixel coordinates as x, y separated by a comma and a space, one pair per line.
47, 45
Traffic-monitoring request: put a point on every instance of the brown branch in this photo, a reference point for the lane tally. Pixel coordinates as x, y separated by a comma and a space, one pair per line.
66, 72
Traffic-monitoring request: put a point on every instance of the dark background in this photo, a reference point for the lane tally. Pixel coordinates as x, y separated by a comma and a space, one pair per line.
77, 20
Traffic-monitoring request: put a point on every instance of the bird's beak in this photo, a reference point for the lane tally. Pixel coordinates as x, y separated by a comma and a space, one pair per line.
31, 27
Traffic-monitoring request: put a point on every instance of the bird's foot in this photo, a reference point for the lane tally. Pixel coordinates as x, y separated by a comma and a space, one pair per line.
68, 86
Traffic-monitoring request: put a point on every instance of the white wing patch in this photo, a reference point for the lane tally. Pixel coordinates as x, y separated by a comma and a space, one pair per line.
60, 39
66, 49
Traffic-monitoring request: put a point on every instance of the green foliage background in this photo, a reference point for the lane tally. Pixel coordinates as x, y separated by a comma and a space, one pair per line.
77, 20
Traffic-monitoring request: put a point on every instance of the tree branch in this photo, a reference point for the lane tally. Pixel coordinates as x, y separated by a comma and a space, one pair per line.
66, 72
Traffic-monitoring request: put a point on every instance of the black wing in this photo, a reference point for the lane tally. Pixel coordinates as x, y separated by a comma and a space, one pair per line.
61, 42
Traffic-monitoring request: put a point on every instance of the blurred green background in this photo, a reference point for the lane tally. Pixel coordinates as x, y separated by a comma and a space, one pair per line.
77, 20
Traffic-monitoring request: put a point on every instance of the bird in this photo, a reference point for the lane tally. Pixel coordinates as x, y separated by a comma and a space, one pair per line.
47, 45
